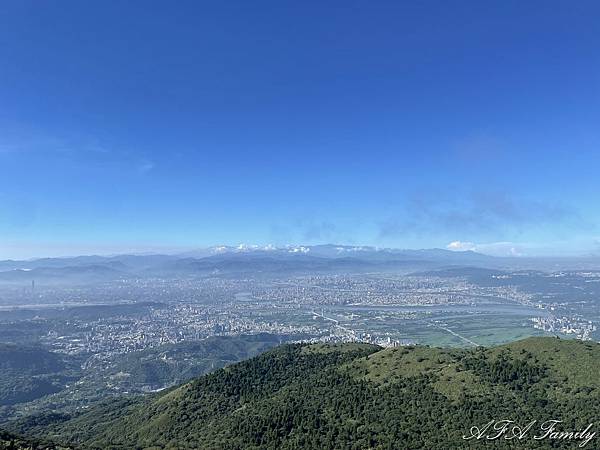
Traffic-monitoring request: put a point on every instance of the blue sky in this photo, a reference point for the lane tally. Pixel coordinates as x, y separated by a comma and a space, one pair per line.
132, 126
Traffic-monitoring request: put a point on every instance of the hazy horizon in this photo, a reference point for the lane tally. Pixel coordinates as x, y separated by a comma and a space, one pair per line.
500, 249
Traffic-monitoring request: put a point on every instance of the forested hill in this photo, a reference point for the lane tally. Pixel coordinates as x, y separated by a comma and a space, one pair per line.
356, 396
9, 441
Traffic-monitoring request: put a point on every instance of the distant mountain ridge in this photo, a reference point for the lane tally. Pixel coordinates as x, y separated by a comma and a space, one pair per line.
234, 260
265, 261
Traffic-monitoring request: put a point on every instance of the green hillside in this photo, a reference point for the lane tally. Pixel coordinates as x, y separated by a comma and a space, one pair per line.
170, 364
30, 372
34, 381
354, 396
9, 441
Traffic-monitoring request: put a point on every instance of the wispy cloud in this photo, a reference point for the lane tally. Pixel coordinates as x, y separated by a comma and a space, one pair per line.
31, 144
87, 151
316, 231
145, 166
310, 230
432, 214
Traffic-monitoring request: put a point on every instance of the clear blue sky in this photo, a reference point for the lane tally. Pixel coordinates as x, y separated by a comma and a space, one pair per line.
129, 126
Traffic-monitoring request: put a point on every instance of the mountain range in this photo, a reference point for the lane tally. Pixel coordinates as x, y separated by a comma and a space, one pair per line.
235, 260
267, 261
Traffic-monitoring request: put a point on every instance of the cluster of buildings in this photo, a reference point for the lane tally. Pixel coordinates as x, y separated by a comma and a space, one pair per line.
582, 329
367, 290
168, 324
193, 309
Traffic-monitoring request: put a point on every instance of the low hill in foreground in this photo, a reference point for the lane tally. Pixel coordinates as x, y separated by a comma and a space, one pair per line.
34, 380
9, 441
355, 396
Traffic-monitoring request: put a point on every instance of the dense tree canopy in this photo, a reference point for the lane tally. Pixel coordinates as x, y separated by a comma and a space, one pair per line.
353, 397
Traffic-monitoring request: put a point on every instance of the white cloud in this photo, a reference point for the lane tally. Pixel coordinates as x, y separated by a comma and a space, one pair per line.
492, 248
297, 249
460, 246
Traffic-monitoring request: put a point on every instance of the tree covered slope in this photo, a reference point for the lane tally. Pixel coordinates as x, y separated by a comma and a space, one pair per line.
9, 441
355, 396
29, 372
